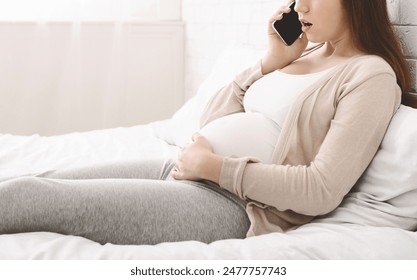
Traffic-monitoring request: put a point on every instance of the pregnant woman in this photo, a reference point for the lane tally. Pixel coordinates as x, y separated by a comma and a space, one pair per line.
281, 144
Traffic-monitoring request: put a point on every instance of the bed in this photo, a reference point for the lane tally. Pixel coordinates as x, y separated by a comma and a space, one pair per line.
377, 220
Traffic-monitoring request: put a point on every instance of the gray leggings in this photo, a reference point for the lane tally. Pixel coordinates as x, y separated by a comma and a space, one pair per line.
121, 203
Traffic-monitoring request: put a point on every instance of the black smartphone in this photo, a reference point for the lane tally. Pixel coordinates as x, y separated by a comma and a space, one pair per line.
289, 28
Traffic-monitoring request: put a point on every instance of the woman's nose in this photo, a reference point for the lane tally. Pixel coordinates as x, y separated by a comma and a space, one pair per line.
301, 7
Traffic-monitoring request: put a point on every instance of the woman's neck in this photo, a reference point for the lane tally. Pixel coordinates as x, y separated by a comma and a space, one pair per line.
342, 48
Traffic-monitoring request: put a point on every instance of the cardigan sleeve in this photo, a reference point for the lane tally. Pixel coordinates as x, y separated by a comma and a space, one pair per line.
229, 99
355, 133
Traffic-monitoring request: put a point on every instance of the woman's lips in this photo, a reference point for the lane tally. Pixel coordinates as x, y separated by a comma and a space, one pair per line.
306, 25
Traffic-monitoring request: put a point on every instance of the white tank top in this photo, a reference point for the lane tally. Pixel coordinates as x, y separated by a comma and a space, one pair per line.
274, 94
255, 132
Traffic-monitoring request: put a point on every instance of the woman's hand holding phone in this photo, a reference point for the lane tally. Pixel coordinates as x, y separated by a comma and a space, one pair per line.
279, 54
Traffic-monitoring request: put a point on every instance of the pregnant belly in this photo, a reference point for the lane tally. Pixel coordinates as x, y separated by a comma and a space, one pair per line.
243, 134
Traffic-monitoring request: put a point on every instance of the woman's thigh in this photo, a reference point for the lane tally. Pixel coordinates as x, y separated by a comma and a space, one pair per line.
120, 211
153, 168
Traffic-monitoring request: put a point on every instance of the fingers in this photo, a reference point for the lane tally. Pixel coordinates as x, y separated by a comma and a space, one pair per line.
277, 16
280, 13
282, 10
196, 136
201, 141
176, 173
189, 158
180, 172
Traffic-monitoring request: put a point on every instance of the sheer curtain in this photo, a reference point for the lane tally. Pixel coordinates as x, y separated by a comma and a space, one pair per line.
67, 65
47, 10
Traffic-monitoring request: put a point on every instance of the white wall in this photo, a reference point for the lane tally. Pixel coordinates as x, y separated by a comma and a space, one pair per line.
60, 77
404, 16
213, 24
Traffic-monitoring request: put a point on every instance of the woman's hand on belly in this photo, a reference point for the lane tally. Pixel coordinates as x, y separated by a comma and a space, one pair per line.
197, 161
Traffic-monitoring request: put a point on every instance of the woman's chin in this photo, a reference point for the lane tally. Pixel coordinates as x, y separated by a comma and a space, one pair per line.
312, 39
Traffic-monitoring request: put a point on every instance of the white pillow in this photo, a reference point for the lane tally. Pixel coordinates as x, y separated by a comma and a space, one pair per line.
386, 194
179, 129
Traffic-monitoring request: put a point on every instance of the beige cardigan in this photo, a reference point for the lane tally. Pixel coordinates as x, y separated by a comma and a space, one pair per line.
330, 136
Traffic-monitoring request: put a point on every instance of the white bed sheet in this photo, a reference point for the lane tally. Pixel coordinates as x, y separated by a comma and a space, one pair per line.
22, 155
313, 241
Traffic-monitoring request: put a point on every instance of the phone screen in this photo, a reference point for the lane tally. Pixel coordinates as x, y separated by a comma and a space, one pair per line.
289, 28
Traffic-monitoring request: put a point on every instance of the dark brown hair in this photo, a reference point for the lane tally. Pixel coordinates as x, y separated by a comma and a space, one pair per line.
373, 33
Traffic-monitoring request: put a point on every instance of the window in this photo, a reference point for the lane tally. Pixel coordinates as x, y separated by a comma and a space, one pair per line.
62, 10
